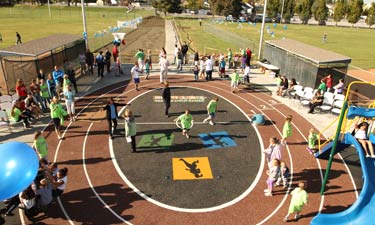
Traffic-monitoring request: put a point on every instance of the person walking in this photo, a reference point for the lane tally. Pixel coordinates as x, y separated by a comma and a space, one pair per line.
211, 111
209, 67
107, 60
57, 115
111, 115
164, 64
18, 38
287, 129
135, 74
58, 75
40, 145
82, 62
299, 198
184, 50
166, 94
140, 56
130, 129
234, 78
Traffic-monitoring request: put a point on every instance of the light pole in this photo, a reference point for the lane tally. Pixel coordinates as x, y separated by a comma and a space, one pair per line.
262, 29
84, 24
49, 9
282, 11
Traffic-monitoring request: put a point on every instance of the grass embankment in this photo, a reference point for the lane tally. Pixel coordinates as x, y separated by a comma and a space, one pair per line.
34, 22
353, 42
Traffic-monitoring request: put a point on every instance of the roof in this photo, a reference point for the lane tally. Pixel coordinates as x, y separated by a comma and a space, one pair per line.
312, 53
40, 46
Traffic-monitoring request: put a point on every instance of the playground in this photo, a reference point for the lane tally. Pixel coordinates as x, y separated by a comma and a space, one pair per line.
218, 175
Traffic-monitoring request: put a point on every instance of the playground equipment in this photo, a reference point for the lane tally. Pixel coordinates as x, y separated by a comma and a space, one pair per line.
363, 209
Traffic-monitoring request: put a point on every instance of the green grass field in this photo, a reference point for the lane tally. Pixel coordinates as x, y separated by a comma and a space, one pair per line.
34, 22
353, 42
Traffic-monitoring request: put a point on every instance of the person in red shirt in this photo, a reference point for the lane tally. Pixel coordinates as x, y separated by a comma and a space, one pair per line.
21, 89
248, 55
114, 53
329, 82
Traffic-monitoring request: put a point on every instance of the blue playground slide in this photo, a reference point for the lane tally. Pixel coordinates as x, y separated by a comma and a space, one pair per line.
363, 210
326, 150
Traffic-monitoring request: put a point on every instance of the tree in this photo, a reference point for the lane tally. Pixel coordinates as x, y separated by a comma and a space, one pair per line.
304, 10
194, 4
171, 6
370, 20
273, 8
340, 11
320, 11
289, 7
355, 10
226, 7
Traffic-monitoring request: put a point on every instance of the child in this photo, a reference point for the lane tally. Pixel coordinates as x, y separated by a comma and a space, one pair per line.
40, 145
299, 198
135, 73
211, 111
278, 82
222, 68
273, 174
196, 71
313, 137
202, 71
284, 175
234, 80
361, 135
186, 122
287, 129
246, 74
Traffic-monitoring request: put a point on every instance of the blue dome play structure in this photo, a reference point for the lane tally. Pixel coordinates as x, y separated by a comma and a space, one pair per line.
258, 119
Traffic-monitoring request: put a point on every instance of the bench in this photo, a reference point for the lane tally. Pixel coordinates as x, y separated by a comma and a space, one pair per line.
265, 66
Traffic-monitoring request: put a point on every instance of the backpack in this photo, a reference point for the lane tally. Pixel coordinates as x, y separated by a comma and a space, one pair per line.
99, 59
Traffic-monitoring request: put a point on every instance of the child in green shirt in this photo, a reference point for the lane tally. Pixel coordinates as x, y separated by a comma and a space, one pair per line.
40, 145
234, 81
312, 139
187, 122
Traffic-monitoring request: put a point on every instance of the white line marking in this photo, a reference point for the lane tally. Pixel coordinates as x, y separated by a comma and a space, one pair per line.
90, 183
232, 202
199, 123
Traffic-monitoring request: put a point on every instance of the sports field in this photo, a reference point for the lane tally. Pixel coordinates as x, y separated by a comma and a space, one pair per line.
34, 22
217, 37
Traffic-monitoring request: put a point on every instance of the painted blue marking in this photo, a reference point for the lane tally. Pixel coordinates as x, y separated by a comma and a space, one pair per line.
219, 139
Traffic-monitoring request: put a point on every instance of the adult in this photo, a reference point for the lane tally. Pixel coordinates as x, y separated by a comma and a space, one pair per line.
32, 106
140, 56
164, 64
57, 115
90, 61
273, 151
130, 129
99, 60
230, 58
162, 52
284, 85
196, 58
322, 86
175, 54
51, 86
329, 82
317, 100
339, 88
111, 115
179, 60
18, 38
72, 76
184, 50
69, 101
35, 90
107, 60
149, 59
211, 111
21, 89
246, 74
82, 62
291, 87
135, 71
166, 94
208, 68
58, 75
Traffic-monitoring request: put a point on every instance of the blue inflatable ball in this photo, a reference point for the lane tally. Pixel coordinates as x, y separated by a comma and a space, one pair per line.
258, 119
18, 168
285, 27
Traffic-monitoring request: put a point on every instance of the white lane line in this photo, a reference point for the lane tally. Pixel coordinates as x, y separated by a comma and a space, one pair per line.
178, 209
90, 183
199, 123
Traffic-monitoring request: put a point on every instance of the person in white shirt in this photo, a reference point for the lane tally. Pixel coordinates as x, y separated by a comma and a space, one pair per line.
246, 74
175, 54
164, 63
135, 74
209, 68
361, 136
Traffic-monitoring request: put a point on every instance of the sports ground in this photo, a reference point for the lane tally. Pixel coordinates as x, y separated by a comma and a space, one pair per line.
161, 184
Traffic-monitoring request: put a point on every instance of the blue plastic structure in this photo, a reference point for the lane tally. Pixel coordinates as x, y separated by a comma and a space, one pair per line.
259, 119
360, 111
363, 210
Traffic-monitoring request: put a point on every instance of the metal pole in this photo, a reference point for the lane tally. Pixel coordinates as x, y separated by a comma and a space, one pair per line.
84, 24
262, 29
49, 9
282, 11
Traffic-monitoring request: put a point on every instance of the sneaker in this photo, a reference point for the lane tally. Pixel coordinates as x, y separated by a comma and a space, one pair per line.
372, 156
268, 194
286, 219
367, 155
277, 184
309, 150
187, 135
297, 217
205, 120
266, 190
211, 123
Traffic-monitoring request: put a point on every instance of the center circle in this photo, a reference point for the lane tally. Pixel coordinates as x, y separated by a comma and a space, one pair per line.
226, 155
